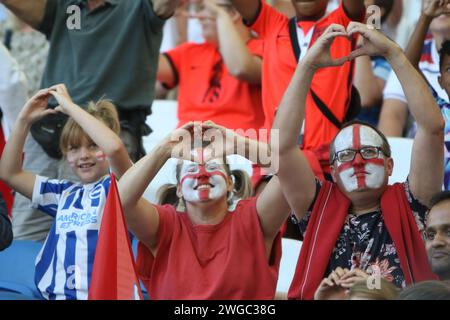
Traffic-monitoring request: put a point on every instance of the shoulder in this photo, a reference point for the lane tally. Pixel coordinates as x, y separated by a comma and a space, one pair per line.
47, 185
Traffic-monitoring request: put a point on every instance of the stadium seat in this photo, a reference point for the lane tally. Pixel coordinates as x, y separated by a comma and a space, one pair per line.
401, 153
17, 271
291, 251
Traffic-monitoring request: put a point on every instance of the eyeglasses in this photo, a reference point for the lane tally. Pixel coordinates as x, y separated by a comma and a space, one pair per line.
349, 155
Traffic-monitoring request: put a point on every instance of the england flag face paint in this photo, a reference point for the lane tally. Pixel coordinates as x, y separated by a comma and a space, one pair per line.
360, 173
200, 183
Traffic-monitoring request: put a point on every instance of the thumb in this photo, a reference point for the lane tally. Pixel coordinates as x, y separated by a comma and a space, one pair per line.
357, 53
48, 112
59, 109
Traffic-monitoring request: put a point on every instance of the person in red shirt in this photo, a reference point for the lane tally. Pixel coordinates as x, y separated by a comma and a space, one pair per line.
208, 251
219, 79
286, 41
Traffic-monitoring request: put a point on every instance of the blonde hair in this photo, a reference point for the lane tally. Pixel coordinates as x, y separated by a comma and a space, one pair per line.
73, 134
387, 291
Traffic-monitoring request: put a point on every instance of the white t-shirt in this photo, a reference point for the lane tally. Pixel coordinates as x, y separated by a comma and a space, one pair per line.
429, 65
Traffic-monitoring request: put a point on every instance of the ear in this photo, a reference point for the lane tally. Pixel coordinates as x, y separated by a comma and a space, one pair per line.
236, 17
333, 173
390, 166
179, 193
230, 184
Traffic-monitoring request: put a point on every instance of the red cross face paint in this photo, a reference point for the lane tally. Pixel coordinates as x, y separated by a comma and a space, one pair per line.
200, 183
360, 173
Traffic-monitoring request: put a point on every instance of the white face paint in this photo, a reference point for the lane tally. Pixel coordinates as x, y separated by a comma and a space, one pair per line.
363, 173
201, 183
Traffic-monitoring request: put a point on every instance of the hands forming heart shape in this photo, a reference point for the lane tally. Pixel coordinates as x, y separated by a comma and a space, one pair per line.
374, 44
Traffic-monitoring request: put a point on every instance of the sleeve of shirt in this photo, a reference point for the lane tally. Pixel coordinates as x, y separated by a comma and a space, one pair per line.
47, 193
303, 223
381, 68
419, 210
393, 89
51, 12
167, 220
145, 258
156, 23
175, 58
6, 234
267, 20
256, 47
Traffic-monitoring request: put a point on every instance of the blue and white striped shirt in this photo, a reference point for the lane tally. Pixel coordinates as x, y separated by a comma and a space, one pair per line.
64, 264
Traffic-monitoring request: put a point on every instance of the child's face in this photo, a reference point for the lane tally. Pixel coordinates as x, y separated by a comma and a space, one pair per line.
310, 8
87, 161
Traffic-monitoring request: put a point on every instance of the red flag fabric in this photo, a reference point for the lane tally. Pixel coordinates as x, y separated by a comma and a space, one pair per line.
6, 191
114, 274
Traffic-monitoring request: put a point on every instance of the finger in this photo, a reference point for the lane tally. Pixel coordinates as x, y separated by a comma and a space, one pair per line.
48, 112
355, 273
328, 283
355, 25
357, 53
351, 281
329, 38
41, 94
59, 109
348, 274
334, 277
340, 61
339, 271
335, 28
55, 94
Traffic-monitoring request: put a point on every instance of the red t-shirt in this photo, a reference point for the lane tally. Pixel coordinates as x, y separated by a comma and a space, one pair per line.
208, 92
279, 63
222, 262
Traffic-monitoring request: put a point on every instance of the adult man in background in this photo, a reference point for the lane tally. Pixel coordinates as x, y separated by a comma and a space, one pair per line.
437, 235
98, 48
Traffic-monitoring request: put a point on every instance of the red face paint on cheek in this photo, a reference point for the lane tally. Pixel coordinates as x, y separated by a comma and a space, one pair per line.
100, 156
361, 173
72, 160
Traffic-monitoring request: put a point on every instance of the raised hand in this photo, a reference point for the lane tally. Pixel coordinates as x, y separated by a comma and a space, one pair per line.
61, 95
319, 55
374, 43
349, 279
36, 107
183, 142
214, 9
435, 8
330, 288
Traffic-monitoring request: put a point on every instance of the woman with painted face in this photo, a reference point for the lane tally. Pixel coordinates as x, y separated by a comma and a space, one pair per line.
209, 250
90, 144
358, 221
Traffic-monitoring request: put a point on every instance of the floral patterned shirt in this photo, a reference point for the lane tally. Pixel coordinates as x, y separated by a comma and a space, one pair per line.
364, 241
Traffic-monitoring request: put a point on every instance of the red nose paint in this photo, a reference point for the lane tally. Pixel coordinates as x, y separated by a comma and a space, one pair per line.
359, 163
203, 177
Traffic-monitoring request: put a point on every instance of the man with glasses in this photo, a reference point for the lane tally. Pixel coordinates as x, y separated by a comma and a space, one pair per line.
358, 222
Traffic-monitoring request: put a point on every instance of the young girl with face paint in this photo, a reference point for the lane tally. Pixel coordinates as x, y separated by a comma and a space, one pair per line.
90, 144
208, 250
